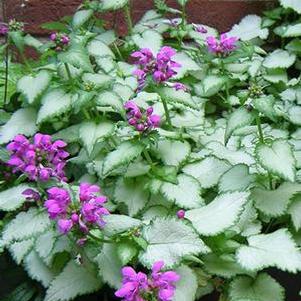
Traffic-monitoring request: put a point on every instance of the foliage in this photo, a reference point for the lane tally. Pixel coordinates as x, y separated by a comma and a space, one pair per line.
196, 146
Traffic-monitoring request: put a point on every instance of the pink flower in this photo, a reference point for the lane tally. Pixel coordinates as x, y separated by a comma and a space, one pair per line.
65, 225
53, 36
164, 281
39, 160
200, 29
181, 214
31, 194
141, 120
57, 202
133, 285
180, 86
223, 46
158, 286
3, 29
143, 57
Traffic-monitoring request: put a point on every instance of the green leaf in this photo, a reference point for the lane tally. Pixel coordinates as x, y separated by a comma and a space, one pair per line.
249, 28
33, 86
265, 105
276, 75
173, 152
186, 287
81, 17
210, 85
207, 171
26, 225
279, 59
124, 154
112, 4
219, 215
187, 64
117, 223
54, 103
232, 156
275, 202
45, 243
236, 179
223, 266
12, 198
239, 118
32, 42
69, 134
16, 123
183, 3
76, 56
111, 99
294, 114
110, 265
137, 169
165, 173
177, 193
37, 269
148, 39
98, 48
132, 193
276, 249
91, 133
172, 96
289, 31
100, 80
75, 280
295, 212
20, 249
126, 252
277, 158
17, 38
293, 4
263, 288
170, 240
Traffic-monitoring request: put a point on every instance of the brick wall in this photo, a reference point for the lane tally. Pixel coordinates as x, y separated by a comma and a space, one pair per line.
218, 13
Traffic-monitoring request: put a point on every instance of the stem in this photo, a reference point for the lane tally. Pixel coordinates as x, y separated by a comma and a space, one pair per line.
147, 157
118, 52
261, 139
99, 239
6, 73
86, 113
68, 72
127, 11
260, 133
166, 113
25, 62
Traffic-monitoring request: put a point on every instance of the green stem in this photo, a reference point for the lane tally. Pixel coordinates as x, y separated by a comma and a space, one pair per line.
68, 72
99, 239
260, 133
128, 17
147, 157
261, 139
118, 52
86, 113
6, 74
166, 113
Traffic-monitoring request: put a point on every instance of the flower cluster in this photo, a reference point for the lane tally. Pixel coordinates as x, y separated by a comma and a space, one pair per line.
222, 46
161, 67
3, 29
60, 40
88, 211
138, 287
14, 25
142, 121
39, 160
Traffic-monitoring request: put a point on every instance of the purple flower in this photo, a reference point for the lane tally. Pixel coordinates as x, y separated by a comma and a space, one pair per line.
223, 46
65, 40
141, 120
143, 57
133, 285
57, 202
164, 281
39, 160
3, 29
53, 36
161, 67
65, 225
158, 286
200, 29
61, 41
31, 194
180, 86
181, 214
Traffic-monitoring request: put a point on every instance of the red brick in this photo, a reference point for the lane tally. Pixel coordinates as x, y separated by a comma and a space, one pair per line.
221, 14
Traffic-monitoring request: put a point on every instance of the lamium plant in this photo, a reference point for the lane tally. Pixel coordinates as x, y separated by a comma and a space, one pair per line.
161, 165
